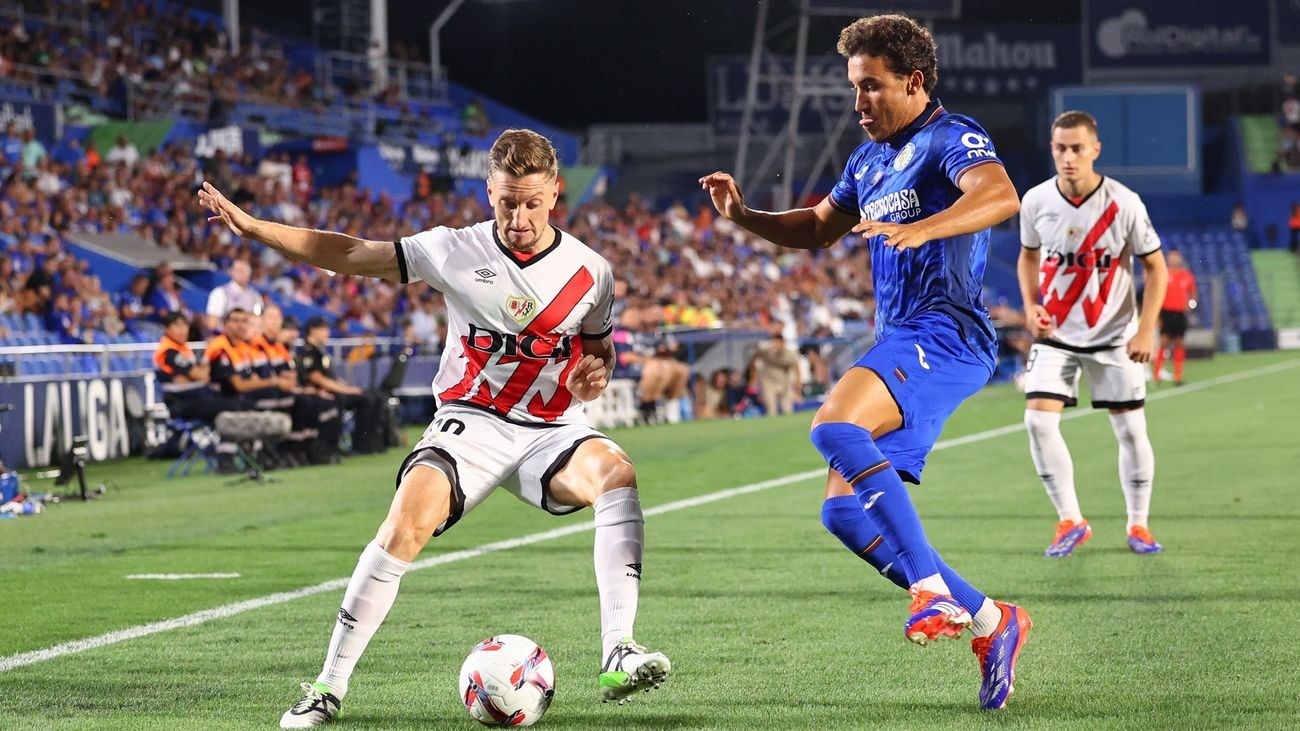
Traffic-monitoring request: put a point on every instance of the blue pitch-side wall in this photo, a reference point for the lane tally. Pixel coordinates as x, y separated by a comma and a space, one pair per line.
1150, 134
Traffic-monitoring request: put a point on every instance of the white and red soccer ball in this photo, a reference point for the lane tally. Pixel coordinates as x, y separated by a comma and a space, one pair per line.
507, 680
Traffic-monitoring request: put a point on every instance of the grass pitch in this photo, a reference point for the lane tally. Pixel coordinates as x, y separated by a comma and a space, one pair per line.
768, 621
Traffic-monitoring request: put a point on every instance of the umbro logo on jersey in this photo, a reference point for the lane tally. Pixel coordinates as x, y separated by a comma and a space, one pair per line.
484, 275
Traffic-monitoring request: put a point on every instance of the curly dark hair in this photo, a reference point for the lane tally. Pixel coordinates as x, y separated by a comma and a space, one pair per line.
904, 44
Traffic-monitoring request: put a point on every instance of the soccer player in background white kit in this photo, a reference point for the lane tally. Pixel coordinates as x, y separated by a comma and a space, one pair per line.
529, 337
1079, 232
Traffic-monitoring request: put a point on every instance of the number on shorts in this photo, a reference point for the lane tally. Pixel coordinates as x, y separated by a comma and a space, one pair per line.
455, 426
1033, 356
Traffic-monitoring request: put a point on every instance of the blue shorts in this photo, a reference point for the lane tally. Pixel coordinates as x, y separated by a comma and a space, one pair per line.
929, 369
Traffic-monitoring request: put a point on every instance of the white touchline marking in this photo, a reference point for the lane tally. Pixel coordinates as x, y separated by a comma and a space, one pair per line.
180, 577
229, 610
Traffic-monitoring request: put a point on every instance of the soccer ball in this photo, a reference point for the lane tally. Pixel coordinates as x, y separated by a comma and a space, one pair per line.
507, 680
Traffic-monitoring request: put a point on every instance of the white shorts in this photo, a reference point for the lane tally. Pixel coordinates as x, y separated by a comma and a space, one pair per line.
480, 452
1114, 380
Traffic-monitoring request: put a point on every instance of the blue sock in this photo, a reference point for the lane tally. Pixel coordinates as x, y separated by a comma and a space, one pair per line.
843, 517
851, 451
966, 595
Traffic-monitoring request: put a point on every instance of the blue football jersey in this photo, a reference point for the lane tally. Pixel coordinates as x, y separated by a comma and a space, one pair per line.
912, 176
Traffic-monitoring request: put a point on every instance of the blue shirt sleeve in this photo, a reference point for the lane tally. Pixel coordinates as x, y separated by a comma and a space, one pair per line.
844, 195
963, 144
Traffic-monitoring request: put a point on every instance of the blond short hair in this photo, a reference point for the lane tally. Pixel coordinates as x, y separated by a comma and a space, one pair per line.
521, 152
1075, 118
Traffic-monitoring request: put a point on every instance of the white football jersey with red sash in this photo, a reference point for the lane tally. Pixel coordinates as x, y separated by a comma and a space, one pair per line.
1086, 266
515, 326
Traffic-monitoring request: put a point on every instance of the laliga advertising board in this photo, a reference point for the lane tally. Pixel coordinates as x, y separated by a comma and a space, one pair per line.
46, 415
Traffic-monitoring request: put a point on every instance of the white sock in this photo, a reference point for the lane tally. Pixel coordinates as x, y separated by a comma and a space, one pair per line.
1052, 460
1137, 463
986, 619
933, 583
620, 541
672, 410
366, 602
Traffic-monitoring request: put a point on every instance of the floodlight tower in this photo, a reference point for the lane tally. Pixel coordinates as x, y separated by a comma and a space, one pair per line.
766, 67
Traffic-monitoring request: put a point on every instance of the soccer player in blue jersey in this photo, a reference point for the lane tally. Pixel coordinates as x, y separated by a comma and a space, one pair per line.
924, 189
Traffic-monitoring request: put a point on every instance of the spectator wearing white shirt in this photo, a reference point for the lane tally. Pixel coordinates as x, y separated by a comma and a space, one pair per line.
425, 327
235, 294
123, 152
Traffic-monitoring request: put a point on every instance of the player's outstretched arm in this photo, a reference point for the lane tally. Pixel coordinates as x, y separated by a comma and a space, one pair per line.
327, 250
800, 228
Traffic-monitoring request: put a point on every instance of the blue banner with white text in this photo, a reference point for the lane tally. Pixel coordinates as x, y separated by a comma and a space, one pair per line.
1013, 63
1160, 33
46, 415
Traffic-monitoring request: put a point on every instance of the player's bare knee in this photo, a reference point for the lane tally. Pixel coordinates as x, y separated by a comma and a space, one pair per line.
404, 536
618, 473
422, 503
609, 465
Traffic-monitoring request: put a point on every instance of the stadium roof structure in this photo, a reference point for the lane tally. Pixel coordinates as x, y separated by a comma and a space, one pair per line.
137, 252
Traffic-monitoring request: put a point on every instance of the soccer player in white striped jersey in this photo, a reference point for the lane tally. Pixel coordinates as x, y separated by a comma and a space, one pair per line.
1079, 232
529, 333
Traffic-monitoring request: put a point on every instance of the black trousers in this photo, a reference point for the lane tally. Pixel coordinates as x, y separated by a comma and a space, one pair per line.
201, 405
323, 416
371, 433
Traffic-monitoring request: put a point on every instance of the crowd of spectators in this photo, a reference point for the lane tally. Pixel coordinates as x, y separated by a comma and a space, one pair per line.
112, 55
675, 268
144, 60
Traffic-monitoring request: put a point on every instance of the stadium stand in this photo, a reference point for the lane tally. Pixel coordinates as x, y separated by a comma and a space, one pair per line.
681, 268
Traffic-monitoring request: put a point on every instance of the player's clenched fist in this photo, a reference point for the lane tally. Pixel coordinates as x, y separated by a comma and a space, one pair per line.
588, 379
1038, 321
1141, 346
725, 193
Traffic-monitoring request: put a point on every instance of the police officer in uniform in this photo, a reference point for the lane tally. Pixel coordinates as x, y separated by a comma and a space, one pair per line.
315, 369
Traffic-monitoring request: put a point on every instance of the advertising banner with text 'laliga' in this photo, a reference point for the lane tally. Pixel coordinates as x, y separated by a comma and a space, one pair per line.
46, 415
1125, 34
